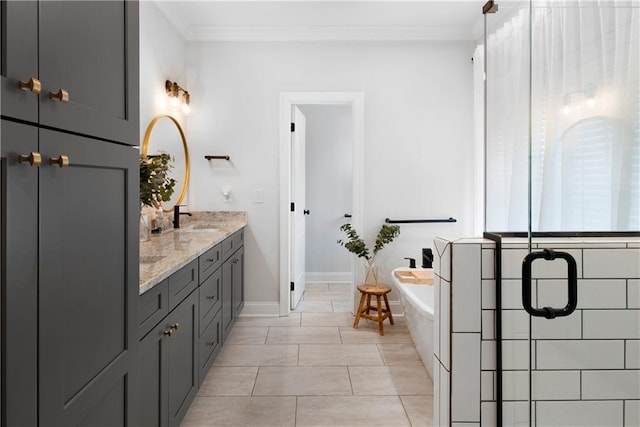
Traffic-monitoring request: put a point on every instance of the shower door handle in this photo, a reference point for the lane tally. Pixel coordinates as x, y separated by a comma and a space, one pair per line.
572, 278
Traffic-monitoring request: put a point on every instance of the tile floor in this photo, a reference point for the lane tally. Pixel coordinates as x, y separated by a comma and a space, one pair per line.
313, 369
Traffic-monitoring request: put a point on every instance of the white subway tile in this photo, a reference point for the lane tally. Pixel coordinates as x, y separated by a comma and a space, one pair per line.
633, 244
445, 324
515, 354
466, 286
515, 325
611, 384
488, 355
488, 263
488, 324
465, 424
633, 354
559, 328
515, 414
489, 294
465, 377
556, 385
488, 414
445, 402
612, 263
634, 293
515, 385
487, 383
611, 323
511, 293
558, 268
442, 267
632, 413
579, 413
583, 354
512, 263
591, 293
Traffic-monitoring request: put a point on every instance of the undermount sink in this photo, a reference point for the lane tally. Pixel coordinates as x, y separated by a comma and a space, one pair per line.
201, 228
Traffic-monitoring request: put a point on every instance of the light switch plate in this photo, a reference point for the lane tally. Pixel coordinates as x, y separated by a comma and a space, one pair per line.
258, 196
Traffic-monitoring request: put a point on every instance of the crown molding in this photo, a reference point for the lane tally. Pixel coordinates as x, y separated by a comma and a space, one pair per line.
327, 33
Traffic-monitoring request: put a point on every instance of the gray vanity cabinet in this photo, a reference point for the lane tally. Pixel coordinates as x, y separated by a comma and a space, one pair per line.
68, 255
232, 280
84, 50
168, 366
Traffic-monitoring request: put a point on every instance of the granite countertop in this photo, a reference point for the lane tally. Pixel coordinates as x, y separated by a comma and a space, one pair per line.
166, 253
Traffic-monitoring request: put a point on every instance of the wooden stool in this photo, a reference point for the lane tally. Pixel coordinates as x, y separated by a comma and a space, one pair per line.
379, 290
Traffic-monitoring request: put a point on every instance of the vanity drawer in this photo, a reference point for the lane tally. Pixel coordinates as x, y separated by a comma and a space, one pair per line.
209, 261
231, 243
210, 298
210, 344
182, 283
153, 307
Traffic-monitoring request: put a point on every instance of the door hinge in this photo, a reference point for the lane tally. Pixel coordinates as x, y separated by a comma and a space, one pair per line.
293, 207
293, 127
293, 286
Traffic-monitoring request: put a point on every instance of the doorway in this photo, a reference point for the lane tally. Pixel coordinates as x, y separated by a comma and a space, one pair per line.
291, 212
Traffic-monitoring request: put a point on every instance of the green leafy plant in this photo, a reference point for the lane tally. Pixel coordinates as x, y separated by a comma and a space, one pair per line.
356, 245
155, 185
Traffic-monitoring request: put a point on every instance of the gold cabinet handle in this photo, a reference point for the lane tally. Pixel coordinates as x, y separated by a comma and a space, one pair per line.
211, 297
33, 158
175, 326
33, 85
212, 344
62, 161
168, 332
61, 95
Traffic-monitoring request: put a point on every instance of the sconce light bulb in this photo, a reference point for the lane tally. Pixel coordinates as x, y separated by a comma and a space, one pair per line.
591, 102
186, 109
566, 109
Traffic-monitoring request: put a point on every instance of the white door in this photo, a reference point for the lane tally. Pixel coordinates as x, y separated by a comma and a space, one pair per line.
298, 183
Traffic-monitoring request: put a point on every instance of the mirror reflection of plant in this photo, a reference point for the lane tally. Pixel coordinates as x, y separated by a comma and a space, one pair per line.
356, 245
155, 185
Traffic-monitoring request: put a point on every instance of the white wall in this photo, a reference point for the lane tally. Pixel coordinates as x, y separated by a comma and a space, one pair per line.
329, 149
418, 136
162, 57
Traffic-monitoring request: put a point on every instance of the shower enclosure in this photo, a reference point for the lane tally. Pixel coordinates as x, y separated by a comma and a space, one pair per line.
562, 204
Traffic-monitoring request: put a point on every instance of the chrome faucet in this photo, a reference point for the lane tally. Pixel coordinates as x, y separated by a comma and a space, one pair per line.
176, 215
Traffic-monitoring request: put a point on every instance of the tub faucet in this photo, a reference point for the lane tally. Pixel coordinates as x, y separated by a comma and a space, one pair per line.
176, 216
412, 262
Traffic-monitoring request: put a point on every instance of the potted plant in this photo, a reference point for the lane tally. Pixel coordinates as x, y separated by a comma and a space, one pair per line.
155, 186
356, 245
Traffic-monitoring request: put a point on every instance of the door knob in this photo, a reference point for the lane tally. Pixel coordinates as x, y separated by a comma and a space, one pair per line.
61, 95
62, 161
33, 85
33, 158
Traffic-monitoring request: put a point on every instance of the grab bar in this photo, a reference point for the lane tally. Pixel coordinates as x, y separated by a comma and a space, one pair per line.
417, 221
549, 312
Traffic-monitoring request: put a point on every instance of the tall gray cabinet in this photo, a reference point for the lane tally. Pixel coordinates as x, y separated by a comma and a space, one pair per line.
69, 213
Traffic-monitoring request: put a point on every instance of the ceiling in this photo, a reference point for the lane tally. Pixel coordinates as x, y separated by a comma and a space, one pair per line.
325, 20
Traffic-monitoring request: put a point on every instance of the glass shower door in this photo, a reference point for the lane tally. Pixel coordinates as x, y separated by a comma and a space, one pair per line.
563, 189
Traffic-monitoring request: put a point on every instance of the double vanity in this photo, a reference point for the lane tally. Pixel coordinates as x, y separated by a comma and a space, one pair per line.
191, 293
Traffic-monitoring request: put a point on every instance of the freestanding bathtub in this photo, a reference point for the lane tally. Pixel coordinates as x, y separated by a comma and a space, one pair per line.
417, 304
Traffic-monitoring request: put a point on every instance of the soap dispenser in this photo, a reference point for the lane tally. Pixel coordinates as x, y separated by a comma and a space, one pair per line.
427, 258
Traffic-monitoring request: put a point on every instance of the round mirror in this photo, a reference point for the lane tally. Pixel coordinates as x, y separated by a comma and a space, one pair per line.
165, 135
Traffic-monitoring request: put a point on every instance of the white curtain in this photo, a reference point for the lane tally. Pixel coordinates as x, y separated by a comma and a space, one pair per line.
584, 116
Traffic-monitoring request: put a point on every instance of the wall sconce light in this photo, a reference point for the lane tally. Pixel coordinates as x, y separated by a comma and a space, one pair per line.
175, 99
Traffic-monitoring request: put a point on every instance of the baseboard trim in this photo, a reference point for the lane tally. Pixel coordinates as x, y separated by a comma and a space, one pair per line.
260, 309
328, 277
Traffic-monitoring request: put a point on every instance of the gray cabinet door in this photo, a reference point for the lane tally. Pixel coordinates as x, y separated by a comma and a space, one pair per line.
154, 381
88, 290
227, 298
237, 270
18, 58
183, 358
19, 213
90, 49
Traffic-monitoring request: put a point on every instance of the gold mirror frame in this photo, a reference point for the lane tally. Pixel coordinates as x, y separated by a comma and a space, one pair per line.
145, 149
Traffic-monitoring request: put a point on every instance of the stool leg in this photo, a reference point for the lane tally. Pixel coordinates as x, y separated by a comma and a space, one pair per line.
360, 308
368, 303
380, 317
386, 303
